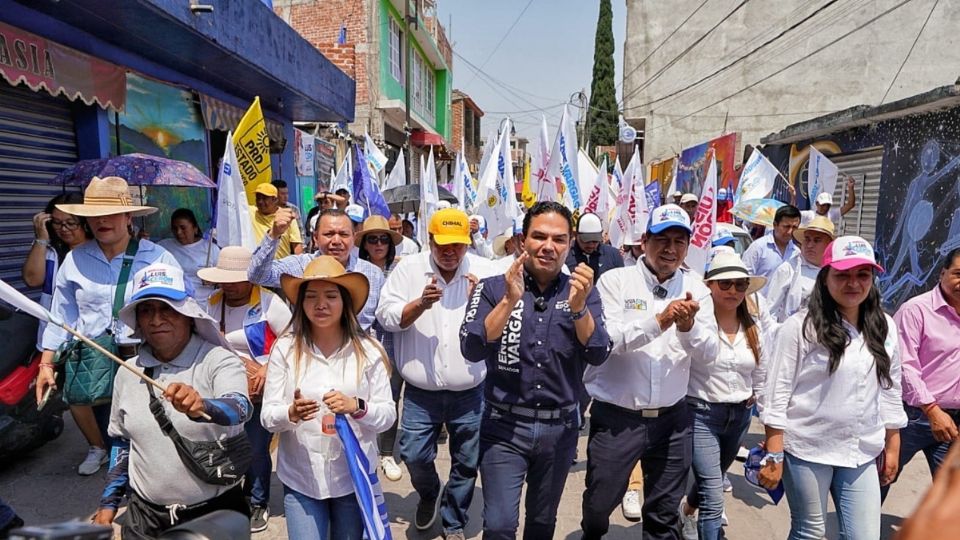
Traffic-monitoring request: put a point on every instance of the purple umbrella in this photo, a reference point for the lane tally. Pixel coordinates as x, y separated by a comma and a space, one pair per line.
137, 170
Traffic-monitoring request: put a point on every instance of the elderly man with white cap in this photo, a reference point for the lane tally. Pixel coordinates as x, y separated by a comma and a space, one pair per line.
183, 352
823, 205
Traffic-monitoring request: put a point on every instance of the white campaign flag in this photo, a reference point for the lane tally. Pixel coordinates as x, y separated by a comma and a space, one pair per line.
563, 162
398, 175
598, 202
496, 200
344, 178
705, 224
304, 155
429, 197
16, 299
630, 218
375, 157
234, 224
463, 188
757, 178
543, 186
586, 174
821, 175
488, 146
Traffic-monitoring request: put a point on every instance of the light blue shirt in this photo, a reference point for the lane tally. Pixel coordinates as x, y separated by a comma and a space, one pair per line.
85, 287
763, 257
265, 270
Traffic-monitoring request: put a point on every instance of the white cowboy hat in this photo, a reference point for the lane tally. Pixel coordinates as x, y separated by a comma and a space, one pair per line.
726, 264
106, 197
232, 265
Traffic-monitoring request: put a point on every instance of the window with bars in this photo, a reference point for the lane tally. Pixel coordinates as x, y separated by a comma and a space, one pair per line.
396, 40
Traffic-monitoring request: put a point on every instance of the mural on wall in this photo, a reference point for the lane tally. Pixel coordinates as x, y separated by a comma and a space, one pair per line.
693, 164
163, 120
919, 204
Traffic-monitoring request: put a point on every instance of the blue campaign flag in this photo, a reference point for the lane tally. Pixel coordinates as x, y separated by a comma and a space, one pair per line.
654, 198
366, 192
366, 485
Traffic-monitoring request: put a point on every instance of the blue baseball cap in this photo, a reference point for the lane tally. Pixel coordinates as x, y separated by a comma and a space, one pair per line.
354, 212
723, 238
666, 216
159, 281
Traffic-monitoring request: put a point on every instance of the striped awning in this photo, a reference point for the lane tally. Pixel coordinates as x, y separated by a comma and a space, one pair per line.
221, 115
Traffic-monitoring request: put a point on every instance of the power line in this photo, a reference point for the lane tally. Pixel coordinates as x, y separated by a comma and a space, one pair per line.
786, 67
489, 56
907, 57
502, 83
738, 60
484, 76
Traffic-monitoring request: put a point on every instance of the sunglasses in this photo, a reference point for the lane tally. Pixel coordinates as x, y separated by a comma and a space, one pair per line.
381, 239
741, 284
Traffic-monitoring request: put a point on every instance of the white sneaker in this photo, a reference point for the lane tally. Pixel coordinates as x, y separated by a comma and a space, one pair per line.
95, 459
391, 469
727, 486
632, 505
723, 519
688, 523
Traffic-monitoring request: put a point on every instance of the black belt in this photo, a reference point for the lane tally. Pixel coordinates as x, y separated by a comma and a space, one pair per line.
644, 413
536, 414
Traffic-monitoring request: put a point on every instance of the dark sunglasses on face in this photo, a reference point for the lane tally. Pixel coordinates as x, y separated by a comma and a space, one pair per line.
382, 239
741, 284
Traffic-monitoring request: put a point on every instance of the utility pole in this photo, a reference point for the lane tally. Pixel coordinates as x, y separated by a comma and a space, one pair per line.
406, 68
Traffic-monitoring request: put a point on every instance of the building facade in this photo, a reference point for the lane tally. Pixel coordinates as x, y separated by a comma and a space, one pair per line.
466, 116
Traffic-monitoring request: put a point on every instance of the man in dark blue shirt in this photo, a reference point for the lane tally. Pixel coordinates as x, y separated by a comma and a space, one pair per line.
537, 329
589, 248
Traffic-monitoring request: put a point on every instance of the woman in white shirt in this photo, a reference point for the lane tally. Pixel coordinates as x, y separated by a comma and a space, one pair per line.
191, 250
833, 408
726, 377
326, 365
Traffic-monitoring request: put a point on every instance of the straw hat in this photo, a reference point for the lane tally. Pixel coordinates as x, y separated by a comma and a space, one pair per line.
231, 266
106, 197
326, 268
726, 264
821, 224
377, 224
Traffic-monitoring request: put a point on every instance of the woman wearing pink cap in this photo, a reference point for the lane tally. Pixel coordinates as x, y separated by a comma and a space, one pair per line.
833, 409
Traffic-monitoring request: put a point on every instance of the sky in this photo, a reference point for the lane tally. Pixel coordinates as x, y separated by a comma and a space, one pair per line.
545, 54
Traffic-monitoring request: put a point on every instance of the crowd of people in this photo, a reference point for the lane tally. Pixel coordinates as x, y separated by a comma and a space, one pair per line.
506, 344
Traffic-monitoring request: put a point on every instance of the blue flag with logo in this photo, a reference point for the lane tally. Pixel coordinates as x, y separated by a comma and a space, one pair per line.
366, 485
366, 192
654, 197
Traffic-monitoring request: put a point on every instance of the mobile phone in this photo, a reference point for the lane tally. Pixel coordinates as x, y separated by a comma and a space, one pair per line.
46, 397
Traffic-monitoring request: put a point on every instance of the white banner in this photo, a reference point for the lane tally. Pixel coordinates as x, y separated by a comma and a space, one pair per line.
821, 175
563, 162
705, 223
305, 154
234, 224
463, 188
627, 226
757, 178
376, 158
542, 185
497, 202
344, 178
429, 197
398, 175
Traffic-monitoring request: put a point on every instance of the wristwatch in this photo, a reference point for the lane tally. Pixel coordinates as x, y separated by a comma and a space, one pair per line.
580, 314
361, 409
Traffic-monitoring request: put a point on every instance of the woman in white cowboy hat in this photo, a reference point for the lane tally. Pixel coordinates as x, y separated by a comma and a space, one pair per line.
726, 379
325, 365
185, 353
86, 295
250, 318
378, 244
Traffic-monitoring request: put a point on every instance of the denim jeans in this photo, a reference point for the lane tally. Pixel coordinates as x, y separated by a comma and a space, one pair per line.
388, 439
312, 519
514, 448
918, 437
424, 413
257, 480
855, 492
718, 429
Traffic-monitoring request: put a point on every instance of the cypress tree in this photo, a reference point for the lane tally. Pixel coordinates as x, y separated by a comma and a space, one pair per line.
602, 117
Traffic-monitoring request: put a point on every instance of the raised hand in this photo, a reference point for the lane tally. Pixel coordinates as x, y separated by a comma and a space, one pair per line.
432, 294
514, 279
281, 222
40, 221
581, 282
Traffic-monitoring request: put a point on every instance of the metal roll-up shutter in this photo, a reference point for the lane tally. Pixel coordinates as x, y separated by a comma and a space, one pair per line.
37, 141
864, 167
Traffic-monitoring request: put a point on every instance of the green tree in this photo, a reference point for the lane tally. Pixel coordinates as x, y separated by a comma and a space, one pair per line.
602, 117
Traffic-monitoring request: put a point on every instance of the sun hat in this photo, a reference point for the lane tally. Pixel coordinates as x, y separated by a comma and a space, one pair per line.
666, 216
724, 263
164, 283
450, 226
377, 224
821, 224
443, 204
688, 197
848, 252
107, 196
354, 212
590, 228
825, 198
232, 264
267, 189
326, 268
723, 238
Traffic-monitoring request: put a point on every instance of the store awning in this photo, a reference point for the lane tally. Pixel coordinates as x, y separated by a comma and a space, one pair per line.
42, 64
221, 115
418, 137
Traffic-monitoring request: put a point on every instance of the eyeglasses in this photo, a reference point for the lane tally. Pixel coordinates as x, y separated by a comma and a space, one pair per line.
68, 225
382, 239
741, 284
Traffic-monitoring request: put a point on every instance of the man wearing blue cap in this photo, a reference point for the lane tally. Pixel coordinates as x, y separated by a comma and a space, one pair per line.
639, 411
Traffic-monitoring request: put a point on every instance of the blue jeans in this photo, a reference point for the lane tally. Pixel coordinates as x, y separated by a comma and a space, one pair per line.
257, 480
514, 448
855, 492
312, 519
718, 429
424, 413
918, 437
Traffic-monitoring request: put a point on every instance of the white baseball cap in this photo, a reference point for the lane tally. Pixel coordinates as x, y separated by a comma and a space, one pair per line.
666, 216
589, 228
849, 252
159, 280
825, 198
688, 197
355, 212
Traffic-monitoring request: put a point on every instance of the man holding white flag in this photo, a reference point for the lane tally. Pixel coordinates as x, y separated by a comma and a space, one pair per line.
234, 224
705, 222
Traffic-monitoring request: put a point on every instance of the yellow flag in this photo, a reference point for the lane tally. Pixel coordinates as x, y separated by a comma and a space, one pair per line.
526, 194
253, 149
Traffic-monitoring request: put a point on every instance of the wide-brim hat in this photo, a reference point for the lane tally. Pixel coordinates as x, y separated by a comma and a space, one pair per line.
326, 268
205, 326
232, 265
377, 224
106, 196
821, 224
726, 264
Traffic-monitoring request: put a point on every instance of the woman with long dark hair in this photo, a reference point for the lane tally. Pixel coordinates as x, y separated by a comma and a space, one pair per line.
325, 365
190, 248
833, 406
726, 379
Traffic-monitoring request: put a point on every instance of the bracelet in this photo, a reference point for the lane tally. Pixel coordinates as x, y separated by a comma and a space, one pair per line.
772, 457
926, 408
580, 314
42, 243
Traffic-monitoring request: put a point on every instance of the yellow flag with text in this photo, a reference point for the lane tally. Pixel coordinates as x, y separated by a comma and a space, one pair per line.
253, 149
527, 195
